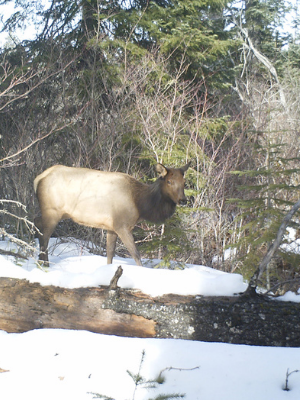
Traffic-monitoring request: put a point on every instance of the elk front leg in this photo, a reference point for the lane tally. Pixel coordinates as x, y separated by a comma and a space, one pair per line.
111, 240
127, 238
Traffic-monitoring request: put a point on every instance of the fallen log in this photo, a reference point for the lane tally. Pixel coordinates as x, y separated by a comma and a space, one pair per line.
240, 319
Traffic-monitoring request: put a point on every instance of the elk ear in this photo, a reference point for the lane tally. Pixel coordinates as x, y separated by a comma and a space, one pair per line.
161, 170
186, 167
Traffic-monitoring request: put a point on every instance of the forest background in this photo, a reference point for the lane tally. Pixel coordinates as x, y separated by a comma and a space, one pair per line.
121, 85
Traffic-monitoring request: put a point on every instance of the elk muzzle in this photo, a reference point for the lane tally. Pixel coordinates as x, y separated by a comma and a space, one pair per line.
182, 201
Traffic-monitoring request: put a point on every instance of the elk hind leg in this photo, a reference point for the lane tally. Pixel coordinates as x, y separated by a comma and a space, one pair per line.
46, 225
39, 230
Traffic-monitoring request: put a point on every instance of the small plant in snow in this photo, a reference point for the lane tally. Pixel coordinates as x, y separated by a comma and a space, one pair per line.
140, 381
288, 374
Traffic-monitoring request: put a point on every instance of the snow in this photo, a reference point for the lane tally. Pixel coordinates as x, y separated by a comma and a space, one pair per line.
64, 364
61, 364
72, 267
290, 296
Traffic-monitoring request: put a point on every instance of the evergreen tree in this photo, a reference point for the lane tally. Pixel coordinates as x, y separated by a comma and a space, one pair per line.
271, 193
263, 20
193, 30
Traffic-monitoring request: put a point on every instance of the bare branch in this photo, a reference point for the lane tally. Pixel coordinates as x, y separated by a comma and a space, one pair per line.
13, 254
249, 47
17, 241
24, 78
54, 129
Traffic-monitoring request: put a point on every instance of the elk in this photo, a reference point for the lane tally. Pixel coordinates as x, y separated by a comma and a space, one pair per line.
113, 201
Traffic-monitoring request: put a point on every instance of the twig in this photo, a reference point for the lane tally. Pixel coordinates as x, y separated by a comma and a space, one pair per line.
288, 374
11, 253
281, 284
17, 203
175, 369
19, 242
24, 219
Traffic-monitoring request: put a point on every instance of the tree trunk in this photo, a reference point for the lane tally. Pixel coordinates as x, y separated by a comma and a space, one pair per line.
240, 319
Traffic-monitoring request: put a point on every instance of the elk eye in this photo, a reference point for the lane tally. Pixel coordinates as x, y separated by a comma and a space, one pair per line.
169, 182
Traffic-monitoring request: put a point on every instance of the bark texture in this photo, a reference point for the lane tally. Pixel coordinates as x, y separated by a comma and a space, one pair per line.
241, 319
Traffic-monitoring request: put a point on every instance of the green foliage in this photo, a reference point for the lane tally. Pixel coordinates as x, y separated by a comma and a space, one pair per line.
292, 57
270, 194
170, 242
193, 30
188, 28
263, 20
142, 382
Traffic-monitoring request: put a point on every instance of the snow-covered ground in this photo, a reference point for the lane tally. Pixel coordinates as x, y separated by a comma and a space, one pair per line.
72, 267
72, 365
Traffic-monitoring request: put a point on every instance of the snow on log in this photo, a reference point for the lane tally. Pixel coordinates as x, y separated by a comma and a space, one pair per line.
241, 319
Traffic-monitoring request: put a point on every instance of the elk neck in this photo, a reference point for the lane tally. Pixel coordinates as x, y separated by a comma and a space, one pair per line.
151, 202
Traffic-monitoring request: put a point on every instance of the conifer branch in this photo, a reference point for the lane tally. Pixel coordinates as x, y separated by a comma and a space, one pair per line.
274, 246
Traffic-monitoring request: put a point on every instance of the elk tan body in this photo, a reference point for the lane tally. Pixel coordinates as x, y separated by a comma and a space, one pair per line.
109, 200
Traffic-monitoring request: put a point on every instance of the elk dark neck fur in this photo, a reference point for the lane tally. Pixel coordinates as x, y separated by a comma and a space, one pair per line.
151, 202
